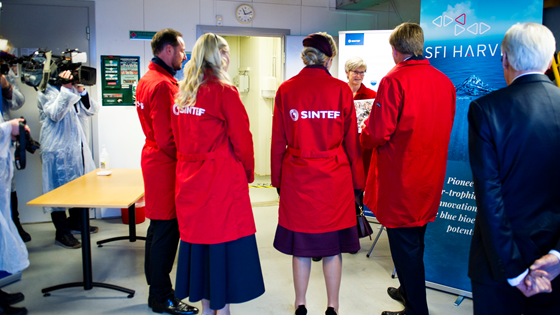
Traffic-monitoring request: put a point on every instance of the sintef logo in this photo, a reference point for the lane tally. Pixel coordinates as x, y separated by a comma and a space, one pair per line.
314, 114
294, 114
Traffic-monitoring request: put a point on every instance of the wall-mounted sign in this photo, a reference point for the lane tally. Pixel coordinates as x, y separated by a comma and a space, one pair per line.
141, 35
120, 74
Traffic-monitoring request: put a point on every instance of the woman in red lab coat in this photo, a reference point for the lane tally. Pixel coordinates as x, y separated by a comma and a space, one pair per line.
355, 69
218, 257
316, 164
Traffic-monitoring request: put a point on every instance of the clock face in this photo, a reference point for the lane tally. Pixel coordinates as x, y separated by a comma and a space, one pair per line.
245, 14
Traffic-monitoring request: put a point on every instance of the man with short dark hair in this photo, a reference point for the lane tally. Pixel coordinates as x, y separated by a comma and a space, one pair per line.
155, 96
410, 124
514, 149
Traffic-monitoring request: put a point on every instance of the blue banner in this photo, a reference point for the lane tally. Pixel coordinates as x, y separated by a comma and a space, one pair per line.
462, 40
354, 39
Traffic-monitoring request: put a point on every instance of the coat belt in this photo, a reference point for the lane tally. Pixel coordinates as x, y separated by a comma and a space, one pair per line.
151, 143
220, 153
315, 154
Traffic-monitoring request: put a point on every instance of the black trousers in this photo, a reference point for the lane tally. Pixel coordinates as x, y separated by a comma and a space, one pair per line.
407, 250
162, 240
64, 224
503, 299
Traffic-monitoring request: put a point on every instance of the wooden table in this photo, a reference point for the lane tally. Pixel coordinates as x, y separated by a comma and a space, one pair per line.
121, 189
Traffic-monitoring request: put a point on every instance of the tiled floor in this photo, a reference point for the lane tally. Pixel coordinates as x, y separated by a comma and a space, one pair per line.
363, 290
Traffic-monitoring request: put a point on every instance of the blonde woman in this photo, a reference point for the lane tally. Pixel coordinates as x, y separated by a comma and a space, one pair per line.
316, 163
218, 257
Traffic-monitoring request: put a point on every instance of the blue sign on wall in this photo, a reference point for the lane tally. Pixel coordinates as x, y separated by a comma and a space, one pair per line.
354, 39
462, 40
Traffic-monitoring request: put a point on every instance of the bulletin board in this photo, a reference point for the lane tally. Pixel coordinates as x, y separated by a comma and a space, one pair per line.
119, 76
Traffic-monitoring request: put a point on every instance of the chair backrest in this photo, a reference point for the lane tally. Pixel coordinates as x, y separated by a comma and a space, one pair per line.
556, 68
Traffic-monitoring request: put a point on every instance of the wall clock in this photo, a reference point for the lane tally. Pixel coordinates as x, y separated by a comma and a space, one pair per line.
245, 13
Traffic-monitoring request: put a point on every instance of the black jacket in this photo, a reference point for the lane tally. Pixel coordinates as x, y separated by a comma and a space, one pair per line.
514, 147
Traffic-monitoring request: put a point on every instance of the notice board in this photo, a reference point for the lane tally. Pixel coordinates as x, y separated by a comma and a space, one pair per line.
119, 76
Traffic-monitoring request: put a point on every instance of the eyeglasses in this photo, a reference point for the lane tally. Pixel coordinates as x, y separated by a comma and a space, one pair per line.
360, 73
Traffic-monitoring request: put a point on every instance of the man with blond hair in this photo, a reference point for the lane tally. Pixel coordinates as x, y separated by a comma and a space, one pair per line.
410, 124
514, 149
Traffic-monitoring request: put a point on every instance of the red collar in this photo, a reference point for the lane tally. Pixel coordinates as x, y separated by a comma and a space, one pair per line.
158, 68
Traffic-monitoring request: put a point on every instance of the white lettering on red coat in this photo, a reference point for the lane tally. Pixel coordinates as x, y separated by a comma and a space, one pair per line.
138, 104
319, 114
191, 110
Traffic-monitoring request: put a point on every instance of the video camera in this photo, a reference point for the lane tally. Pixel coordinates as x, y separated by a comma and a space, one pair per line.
42, 67
24, 143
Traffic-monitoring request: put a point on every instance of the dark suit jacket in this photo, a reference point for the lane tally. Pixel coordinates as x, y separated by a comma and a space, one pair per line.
514, 147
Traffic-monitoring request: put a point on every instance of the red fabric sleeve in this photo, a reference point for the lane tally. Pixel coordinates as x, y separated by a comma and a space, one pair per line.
162, 100
383, 118
351, 141
279, 142
238, 130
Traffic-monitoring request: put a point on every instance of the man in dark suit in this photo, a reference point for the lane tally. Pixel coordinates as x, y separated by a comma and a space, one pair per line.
514, 147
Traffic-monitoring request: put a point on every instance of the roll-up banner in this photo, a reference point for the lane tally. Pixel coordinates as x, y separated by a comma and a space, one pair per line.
462, 40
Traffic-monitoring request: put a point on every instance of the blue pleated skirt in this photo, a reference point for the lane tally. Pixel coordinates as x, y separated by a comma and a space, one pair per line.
222, 273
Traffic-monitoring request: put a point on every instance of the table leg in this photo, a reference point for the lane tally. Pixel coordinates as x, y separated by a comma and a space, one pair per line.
131, 230
87, 283
86, 250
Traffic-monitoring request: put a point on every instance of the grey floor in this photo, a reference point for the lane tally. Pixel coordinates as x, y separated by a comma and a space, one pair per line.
363, 290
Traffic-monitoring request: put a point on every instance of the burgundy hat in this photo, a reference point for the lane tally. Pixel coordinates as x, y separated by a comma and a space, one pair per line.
318, 42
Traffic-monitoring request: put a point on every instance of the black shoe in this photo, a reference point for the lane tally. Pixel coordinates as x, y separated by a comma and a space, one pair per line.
393, 313
68, 241
316, 258
9, 310
330, 311
92, 229
395, 294
10, 298
301, 310
24, 235
173, 306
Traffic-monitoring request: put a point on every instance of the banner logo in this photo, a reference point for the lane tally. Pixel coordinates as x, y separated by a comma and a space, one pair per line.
354, 39
461, 20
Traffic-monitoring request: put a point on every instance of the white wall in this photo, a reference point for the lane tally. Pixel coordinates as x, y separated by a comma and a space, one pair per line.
118, 127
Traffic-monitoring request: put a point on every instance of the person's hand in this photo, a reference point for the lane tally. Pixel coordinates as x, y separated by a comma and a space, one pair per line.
80, 88
547, 266
67, 75
4, 83
534, 285
15, 127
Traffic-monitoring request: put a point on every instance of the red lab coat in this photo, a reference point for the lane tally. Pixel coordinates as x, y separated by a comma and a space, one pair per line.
316, 157
154, 98
410, 124
214, 168
369, 158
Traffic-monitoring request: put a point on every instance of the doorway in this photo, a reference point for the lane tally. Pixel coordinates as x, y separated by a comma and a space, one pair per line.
256, 69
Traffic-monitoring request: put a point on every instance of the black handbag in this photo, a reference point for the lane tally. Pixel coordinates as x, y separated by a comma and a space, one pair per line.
364, 229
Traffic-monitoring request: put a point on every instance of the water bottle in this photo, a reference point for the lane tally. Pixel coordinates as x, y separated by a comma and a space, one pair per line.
104, 159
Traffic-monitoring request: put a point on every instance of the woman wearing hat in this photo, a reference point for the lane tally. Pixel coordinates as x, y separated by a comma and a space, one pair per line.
316, 167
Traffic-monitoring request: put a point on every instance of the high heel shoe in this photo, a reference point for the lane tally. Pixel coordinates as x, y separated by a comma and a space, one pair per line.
301, 310
330, 311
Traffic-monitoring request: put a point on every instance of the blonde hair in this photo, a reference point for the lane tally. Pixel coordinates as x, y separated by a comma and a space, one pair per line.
355, 63
206, 55
312, 56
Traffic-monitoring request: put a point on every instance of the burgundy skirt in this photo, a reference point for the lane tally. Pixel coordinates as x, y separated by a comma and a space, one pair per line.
316, 244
